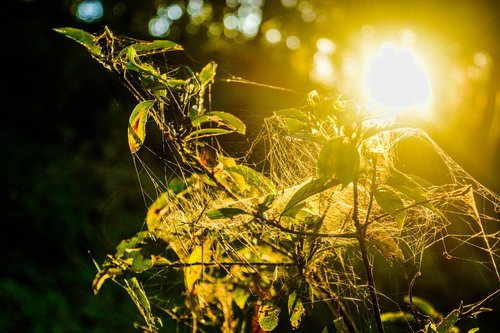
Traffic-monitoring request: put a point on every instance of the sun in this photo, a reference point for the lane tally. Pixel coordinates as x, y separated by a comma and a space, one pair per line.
395, 80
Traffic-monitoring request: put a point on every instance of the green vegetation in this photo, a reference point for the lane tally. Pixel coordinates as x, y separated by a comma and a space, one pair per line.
230, 245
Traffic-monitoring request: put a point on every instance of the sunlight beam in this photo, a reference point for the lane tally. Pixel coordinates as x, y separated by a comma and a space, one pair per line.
395, 80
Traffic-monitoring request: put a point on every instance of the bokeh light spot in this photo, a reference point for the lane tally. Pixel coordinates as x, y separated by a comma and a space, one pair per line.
159, 26
174, 12
90, 11
326, 46
273, 36
293, 42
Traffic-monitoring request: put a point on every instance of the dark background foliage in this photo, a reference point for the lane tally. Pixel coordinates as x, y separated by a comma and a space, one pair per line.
69, 190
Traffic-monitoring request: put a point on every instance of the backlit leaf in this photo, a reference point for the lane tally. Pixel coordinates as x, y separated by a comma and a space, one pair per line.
340, 159
137, 125
296, 310
423, 306
293, 114
220, 117
268, 316
207, 74
391, 203
410, 188
152, 47
86, 39
293, 125
156, 210
396, 317
206, 132
199, 255
222, 213
240, 297
311, 188
447, 323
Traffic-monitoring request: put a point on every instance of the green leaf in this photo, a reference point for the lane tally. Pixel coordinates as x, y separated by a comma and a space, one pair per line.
410, 188
134, 63
240, 297
207, 74
139, 297
151, 47
339, 324
391, 203
293, 114
177, 184
220, 117
141, 264
86, 39
311, 188
125, 245
206, 132
254, 178
268, 316
447, 323
102, 276
222, 213
423, 306
396, 317
293, 125
296, 310
473, 330
340, 159
137, 125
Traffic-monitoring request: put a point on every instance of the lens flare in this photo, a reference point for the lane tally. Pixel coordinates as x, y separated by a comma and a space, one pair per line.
395, 80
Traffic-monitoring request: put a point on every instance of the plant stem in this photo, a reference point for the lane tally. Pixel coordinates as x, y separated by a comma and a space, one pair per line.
364, 255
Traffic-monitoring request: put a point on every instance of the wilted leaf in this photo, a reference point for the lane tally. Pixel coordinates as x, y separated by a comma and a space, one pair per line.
268, 316
137, 125
86, 39
296, 310
222, 213
390, 202
340, 159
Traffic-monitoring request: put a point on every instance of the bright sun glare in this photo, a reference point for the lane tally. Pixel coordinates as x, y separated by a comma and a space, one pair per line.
396, 80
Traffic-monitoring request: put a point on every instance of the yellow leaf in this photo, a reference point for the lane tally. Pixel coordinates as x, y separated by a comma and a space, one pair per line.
137, 125
194, 270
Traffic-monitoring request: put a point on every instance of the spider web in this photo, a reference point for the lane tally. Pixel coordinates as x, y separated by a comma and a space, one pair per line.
461, 215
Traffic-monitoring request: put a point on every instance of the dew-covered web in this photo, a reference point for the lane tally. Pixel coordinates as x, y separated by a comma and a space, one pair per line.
225, 223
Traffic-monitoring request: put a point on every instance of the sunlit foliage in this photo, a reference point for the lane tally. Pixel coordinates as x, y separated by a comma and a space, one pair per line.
231, 246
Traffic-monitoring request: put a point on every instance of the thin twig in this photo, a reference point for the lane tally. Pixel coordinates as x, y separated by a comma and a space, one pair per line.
366, 262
